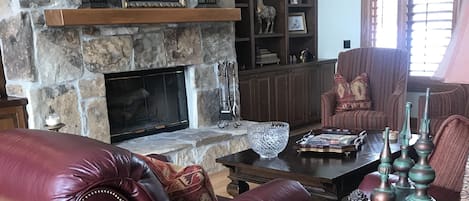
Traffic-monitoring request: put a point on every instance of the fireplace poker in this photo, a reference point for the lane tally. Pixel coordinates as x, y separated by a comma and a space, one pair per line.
225, 113
235, 107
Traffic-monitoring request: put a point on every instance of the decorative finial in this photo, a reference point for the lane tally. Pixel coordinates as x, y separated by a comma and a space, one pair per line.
384, 192
422, 174
403, 164
425, 122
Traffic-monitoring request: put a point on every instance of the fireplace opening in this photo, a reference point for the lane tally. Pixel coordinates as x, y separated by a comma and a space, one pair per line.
146, 102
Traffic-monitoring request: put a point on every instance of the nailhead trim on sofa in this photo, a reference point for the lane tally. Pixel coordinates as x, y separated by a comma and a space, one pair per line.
97, 191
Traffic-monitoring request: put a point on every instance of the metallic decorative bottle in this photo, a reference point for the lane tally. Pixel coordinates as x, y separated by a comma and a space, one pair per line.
403, 164
422, 174
384, 192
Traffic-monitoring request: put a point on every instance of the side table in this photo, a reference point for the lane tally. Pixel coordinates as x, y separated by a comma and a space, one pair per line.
55, 128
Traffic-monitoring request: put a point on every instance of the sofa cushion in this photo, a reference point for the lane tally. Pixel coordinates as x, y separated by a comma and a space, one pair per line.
354, 95
190, 183
359, 119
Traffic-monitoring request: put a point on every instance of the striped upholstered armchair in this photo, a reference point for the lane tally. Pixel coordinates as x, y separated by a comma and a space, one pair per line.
443, 104
387, 71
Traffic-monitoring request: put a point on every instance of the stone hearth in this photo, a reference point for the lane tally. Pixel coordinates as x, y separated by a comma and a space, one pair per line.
63, 69
193, 146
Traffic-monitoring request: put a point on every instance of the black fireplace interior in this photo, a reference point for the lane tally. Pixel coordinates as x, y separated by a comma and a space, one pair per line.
146, 102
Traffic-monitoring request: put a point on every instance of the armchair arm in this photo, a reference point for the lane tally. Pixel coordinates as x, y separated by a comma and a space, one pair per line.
276, 190
395, 109
444, 103
328, 103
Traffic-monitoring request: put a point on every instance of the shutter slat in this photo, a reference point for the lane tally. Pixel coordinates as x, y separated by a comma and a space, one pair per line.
428, 34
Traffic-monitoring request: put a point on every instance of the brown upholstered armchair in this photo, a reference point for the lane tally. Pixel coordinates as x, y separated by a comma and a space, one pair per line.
448, 159
387, 70
443, 104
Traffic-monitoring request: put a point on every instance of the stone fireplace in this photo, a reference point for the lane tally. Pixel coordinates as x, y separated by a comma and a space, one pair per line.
63, 69
146, 102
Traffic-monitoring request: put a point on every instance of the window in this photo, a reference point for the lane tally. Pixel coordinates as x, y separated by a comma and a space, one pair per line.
422, 26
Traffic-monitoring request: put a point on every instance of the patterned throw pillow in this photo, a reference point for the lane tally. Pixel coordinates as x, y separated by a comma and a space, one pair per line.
354, 95
190, 183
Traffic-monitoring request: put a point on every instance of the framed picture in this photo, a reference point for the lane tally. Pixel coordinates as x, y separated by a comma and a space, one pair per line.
154, 3
297, 23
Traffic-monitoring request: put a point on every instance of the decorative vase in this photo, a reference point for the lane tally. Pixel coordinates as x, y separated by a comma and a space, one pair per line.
268, 139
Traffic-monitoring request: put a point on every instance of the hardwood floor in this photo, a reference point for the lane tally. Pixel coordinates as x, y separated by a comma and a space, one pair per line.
219, 182
220, 179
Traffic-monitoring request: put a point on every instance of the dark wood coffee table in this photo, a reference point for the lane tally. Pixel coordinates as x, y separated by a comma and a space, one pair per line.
326, 176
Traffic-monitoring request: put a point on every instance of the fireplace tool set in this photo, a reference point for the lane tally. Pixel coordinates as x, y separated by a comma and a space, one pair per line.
229, 108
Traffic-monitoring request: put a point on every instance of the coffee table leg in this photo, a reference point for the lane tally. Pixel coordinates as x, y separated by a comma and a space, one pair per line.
236, 187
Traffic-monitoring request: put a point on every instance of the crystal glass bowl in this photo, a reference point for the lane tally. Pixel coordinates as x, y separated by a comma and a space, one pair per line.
268, 139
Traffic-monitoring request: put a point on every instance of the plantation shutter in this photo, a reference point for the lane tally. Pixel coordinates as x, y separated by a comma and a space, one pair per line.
380, 23
369, 23
429, 28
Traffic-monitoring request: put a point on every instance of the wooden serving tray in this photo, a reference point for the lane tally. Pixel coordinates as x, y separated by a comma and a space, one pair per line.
330, 142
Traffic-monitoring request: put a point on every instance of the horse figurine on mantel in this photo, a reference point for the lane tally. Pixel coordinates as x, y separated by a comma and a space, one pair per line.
267, 14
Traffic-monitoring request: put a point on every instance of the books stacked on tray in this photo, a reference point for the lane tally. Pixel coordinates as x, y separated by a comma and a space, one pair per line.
331, 142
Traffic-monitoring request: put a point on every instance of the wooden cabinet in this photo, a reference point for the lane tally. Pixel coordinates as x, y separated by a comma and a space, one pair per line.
12, 110
300, 90
288, 93
285, 91
265, 96
283, 42
13, 113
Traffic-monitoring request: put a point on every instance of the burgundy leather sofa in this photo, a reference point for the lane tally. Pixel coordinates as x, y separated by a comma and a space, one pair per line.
43, 165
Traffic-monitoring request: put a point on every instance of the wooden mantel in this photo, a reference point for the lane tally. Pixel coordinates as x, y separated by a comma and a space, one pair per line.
108, 16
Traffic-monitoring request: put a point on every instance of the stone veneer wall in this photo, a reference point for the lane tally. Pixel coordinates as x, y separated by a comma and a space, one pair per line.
63, 68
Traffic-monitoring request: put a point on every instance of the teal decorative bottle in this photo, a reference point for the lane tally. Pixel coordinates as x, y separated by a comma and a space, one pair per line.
384, 192
422, 174
403, 164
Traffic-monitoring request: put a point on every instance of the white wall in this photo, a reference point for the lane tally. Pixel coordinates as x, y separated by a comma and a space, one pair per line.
338, 20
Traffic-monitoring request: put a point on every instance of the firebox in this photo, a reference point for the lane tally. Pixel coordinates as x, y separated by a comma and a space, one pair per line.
146, 102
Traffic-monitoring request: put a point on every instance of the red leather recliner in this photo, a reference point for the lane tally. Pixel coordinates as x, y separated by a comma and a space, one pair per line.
43, 165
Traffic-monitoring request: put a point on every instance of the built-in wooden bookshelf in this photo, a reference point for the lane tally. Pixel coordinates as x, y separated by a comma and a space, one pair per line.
109, 16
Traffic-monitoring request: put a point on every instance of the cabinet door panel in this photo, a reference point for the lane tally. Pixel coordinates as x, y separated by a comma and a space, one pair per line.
298, 96
246, 88
12, 117
315, 95
281, 97
263, 98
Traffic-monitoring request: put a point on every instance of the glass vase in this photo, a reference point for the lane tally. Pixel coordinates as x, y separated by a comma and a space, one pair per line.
268, 139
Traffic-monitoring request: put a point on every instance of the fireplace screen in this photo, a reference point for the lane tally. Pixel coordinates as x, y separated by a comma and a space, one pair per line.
146, 102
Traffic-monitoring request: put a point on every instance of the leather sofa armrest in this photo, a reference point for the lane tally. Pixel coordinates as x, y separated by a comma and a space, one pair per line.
372, 181
328, 103
160, 157
67, 166
276, 190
